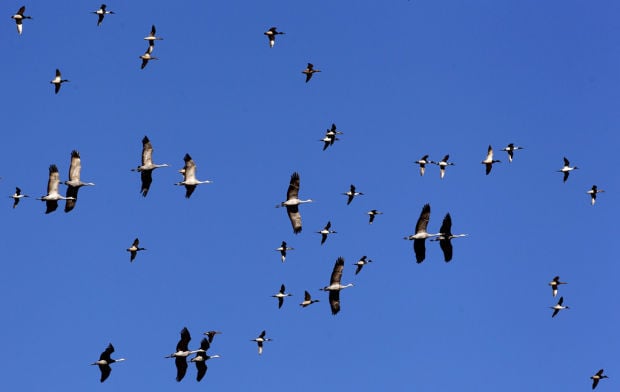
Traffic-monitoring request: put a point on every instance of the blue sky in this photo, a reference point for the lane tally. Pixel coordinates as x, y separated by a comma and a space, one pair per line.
401, 79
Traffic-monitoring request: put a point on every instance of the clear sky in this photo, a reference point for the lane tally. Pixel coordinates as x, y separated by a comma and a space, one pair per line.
401, 79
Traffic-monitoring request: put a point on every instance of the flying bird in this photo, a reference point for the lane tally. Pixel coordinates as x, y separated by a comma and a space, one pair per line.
555, 283
105, 361
442, 165
510, 149
420, 236
309, 71
202, 357
280, 295
557, 307
180, 356
147, 167
271, 34
146, 57
211, 334
422, 162
335, 286
74, 184
260, 340
58, 81
189, 176
445, 237
489, 161
307, 300
17, 196
592, 192
52, 197
333, 131
328, 140
361, 263
134, 249
326, 231
101, 13
283, 249
152, 38
19, 17
567, 169
351, 193
372, 214
292, 203
597, 377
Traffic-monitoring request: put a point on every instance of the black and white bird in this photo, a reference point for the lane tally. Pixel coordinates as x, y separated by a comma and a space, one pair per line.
445, 237
333, 131
557, 307
58, 81
592, 192
147, 167
422, 163
335, 286
510, 149
17, 196
211, 334
328, 140
101, 13
567, 168
271, 34
326, 231
105, 361
52, 197
309, 71
280, 295
260, 340
597, 377
555, 283
351, 193
372, 214
152, 37
74, 183
146, 57
283, 249
292, 203
307, 300
183, 351
442, 165
202, 357
361, 263
189, 176
420, 236
489, 161
134, 249
19, 18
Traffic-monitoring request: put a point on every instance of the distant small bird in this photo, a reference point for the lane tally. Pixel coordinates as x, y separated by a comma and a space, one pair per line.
567, 169
58, 81
271, 34
201, 359
260, 340
101, 13
597, 377
17, 196
592, 192
189, 176
333, 131
147, 167
105, 361
280, 295
309, 71
328, 140
351, 193
52, 197
442, 165
555, 283
422, 162
335, 286
211, 334
152, 38
420, 236
489, 161
74, 183
181, 354
361, 263
19, 17
292, 203
372, 214
445, 237
283, 249
510, 149
557, 307
134, 249
146, 57
326, 231
307, 300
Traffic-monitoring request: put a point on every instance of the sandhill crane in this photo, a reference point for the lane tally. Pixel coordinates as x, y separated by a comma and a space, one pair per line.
567, 169
335, 286
361, 263
105, 361
189, 176
597, 377
180, 356
52, 197
510, 149
420, 236
557, 307
372, 214
328, 140
307, 300
282, 249
445, 237
271, 34
134, 249
292, 203
146, 57
152, 38
309, 71
101, 13
592, 192
280, 295
211, 334
260, 340
489, 161
555, 283
74, 184
422, 162
442, 165
19, 17
147, 167
17, 196
58, 81
351, 193
326, 231
201, 358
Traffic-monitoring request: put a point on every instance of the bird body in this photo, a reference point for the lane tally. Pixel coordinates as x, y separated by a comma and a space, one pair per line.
489, 161
335, 286
351, 193
592, 192
101, 13
201, 358
309, 71
105, 361
58, 81
555, 283
147, 167
74, 183
597, 377
146, 57
557, 307
420, 236
52, 197
280, 295
17, 196
134, 249
372, 214
271, 35
510, 149
189, 176
283, 249
307, 300
566, 169
442, 165
422, 162
361, 263
211, 334
19, 18
326, 231
181, 354
292, 203
260, 340
152, 37
445, 236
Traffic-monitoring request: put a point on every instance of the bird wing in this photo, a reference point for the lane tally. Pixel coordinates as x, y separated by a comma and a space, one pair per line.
358, 269
51, 206
308, 76
101, 16
561, 301
21, 10
555, 311
201, 368
183, 343
489, 153
419, 247
446, 247
105, 355
205, 345
594, 382
334, 301
189, 189
425, 215
147, 147
105, 372
53, 181
280, 302
147, 179
337, 272
189, 170
293, 187
566, 162
446, 226
152, 34
488, 167
181, 364
75, 166
566, 173
295, 218
307, 296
